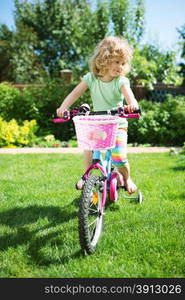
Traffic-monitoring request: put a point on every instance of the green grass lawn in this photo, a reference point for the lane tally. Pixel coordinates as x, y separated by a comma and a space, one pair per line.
38, 220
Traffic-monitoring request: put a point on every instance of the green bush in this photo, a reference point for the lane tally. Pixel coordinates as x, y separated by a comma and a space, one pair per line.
160, 123
183, 149
150, 65
47, 141
13, 135
39, 103
9, 95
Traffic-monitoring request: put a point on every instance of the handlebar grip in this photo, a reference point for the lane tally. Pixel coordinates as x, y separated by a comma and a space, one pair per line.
123, 113
65, 118
137, 111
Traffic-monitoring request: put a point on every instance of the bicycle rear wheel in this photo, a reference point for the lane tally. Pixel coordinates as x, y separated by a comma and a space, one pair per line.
90, 214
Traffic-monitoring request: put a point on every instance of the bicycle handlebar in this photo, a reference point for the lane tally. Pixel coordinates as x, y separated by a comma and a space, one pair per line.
121, 112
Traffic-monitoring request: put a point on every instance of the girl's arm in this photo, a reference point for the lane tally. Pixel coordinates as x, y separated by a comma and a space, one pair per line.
130, 98
72, 97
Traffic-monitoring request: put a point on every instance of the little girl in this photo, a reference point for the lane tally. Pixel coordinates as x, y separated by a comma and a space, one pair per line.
108, 88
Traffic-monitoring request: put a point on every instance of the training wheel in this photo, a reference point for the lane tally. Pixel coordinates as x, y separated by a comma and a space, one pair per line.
140, 197
137, 196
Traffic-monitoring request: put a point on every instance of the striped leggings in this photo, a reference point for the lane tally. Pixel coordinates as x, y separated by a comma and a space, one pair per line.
119, 153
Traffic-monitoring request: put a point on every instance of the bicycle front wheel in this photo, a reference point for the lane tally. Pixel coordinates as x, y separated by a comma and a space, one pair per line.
90, 214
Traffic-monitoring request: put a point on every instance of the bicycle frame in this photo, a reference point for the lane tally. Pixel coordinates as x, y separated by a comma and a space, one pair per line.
97, 186
104, 166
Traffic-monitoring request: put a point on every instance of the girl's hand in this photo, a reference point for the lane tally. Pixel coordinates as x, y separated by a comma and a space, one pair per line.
60, 112
131, 108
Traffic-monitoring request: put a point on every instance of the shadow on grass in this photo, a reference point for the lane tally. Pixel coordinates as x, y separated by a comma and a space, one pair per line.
30, 231
179, 168
182, 196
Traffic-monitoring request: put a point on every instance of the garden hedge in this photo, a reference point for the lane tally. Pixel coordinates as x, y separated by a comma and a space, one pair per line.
160, 123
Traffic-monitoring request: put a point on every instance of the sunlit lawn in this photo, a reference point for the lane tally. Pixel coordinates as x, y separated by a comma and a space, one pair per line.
38, 220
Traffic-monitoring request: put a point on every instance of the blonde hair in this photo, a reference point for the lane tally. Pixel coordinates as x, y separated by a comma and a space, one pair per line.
109, 48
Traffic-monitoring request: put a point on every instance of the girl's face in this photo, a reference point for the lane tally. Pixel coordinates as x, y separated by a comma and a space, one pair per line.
116, 67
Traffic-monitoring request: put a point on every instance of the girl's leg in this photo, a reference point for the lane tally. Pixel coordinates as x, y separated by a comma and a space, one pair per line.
119, 159
87, 163
87, 159
129, 184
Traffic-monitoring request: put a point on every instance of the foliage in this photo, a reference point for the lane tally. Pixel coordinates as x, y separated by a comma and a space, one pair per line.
166, 70
128, 19
160, 123
8, 97
183, 149
47, 141
13, 135
58, 34
62, 30
151, 66
182, 41
25, 62
39, 103
142, 71
6, 67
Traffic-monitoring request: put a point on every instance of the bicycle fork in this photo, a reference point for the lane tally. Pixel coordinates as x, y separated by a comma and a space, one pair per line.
104, 166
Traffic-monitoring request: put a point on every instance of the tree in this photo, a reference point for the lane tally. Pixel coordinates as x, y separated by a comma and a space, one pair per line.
5, 54
182, 64
60, 34
25, 62
66, 31
128, 19
151, 65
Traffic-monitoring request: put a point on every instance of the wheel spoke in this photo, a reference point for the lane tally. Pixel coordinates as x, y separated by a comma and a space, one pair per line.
92, 205
93, 210
91, 220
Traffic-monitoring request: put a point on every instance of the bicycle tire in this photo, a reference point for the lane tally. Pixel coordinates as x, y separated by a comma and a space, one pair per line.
90, 215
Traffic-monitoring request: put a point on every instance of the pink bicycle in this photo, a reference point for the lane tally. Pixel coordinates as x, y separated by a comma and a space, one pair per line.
96, 131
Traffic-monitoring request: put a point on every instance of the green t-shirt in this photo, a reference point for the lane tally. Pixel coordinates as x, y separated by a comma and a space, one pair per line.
106, 95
